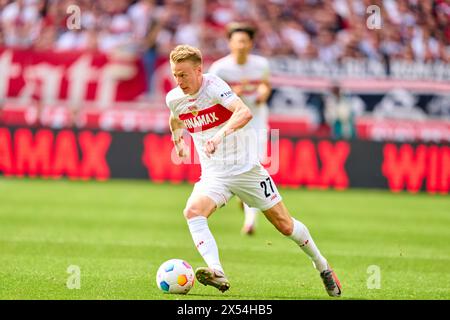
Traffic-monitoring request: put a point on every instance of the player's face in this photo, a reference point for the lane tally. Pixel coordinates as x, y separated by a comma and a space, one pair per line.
188, 76
240, 43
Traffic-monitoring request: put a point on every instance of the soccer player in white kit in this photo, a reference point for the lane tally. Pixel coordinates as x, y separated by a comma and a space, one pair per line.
216, 118
248, 76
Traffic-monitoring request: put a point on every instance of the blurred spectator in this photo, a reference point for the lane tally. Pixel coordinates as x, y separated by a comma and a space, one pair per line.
46, 40
19, 20
295, 35
339, 114
329, 30
118, 35
147, 25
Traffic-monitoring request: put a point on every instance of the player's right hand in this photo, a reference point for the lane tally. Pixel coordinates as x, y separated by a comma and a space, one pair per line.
182, 149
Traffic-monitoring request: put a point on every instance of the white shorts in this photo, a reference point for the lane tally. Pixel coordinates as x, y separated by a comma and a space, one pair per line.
254, 187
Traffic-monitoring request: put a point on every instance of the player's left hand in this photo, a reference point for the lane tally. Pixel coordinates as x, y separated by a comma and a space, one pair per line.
209, 148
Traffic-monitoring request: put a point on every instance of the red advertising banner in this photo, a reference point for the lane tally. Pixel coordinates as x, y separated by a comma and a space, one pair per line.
301, 162
49, 76
43, 153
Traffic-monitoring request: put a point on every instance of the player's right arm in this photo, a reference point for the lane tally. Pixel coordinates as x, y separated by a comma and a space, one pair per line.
177, 128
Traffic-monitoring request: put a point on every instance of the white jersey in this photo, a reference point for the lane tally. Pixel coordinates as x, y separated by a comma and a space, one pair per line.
204, 114
249, 76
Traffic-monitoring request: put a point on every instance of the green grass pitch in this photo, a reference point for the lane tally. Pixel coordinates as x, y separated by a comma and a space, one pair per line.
119, 232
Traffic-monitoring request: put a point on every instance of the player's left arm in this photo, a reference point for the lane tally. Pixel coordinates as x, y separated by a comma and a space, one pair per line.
240, 117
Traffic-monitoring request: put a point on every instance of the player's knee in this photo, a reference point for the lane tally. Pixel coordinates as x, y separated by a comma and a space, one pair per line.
286, 228
191, 212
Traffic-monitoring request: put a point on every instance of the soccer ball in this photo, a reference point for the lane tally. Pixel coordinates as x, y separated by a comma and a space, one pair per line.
175, 276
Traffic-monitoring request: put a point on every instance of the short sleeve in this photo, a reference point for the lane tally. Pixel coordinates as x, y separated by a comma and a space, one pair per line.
170, 103
221, 91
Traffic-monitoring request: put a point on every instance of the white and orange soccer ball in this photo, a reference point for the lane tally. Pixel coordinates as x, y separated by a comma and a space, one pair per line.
175, 276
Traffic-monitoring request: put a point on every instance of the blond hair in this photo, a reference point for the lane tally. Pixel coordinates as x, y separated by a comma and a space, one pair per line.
185, 52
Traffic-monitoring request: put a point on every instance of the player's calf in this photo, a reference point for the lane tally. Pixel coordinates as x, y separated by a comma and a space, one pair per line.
280, 218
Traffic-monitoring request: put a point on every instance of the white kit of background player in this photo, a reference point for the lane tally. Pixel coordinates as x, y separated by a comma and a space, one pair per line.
248, 75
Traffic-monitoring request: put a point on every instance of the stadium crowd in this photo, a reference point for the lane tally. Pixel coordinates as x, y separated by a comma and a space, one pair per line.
327, 30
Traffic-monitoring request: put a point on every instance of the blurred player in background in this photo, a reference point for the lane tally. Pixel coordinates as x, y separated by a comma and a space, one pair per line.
217, 120
248, 76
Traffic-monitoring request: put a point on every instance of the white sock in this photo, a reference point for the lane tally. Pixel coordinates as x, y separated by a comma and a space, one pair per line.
301, 236
250, 215
205, 242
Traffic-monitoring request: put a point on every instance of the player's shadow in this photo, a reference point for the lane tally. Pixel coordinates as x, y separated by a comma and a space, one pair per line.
290, 297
